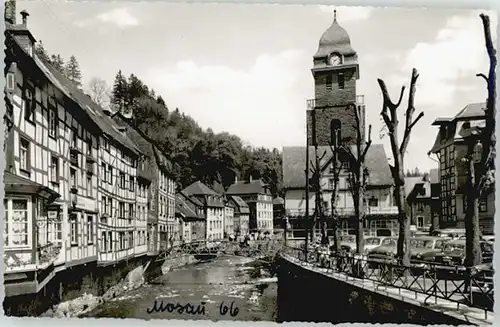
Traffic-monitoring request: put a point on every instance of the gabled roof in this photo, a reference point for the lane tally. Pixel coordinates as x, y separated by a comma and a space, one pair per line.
240, 206
185, 207
256, 186
294, 165
198, 188
410, 183
468, 121
218, 188
94, 111
472, 110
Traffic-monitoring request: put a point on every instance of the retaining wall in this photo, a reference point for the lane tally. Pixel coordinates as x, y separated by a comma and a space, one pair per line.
306, 295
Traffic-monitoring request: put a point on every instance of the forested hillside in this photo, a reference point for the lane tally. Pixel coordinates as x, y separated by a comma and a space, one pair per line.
197, 154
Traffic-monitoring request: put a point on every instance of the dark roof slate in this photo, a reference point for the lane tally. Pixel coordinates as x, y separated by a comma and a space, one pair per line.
198, 188
294, 165
256, 186
105, 123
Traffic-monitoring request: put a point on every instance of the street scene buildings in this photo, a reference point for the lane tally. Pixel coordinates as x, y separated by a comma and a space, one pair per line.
116, 200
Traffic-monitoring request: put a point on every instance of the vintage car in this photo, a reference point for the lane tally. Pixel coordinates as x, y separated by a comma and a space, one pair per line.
386, 250
453, 253
419, 247
374, 241
424, 247
450, 233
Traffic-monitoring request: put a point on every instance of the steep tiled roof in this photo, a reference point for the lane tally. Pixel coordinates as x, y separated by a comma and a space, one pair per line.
198, 188
105, 123
240, 205
294, 165
246, 187
472, 110
185, 207
218, 188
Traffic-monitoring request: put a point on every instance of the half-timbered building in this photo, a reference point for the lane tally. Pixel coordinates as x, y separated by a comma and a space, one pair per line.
50, 155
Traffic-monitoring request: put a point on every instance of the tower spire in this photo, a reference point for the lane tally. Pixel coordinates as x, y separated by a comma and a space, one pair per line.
334, 15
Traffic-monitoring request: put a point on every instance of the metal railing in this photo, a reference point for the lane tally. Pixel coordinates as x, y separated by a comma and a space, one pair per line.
311, 103
471, 287
392, 210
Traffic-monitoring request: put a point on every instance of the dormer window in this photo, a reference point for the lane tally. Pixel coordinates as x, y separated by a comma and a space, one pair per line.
10, 81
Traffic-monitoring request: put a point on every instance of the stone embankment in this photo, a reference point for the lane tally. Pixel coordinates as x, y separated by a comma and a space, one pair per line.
88, 302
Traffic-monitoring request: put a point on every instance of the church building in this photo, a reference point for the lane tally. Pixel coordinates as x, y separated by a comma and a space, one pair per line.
335, 72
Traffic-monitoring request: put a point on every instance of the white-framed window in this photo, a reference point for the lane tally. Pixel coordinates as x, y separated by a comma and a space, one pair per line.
104, 243
73, 178
89, 185
103, 173
52, 122
54, 169
73, 221
110, 206
90, 229
17, 223
24, 155
10, 81
110, 242
420, 222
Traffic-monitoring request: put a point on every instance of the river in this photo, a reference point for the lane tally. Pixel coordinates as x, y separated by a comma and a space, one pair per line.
241, 282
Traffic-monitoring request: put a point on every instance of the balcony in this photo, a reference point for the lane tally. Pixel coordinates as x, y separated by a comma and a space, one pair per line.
311, 103
47, 254
392, 210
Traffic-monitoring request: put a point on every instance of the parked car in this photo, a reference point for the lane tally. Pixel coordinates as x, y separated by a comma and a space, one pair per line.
453, 253
453, 233
386, 251
424, 247
374, 241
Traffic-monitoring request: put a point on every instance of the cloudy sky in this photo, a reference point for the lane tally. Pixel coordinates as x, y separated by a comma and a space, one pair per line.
245, 69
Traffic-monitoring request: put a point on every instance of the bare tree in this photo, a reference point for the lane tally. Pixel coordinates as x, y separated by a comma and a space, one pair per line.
316, 187
336, 169
398, 152
358, 174
480, 173
100, 92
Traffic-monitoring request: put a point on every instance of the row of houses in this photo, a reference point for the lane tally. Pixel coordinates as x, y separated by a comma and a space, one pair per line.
83, 187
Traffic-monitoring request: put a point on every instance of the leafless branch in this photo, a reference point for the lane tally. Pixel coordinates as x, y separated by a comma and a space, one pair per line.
368, 143
483, 76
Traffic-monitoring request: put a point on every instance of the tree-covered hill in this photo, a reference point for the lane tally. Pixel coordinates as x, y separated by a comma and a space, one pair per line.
197, 154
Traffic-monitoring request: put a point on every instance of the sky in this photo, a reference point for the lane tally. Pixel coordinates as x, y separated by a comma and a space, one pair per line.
246, 69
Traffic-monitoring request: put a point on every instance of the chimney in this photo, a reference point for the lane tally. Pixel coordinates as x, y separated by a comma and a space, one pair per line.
25, 15
10, 12
22, 34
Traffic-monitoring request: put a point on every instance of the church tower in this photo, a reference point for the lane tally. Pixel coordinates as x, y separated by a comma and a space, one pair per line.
335, 72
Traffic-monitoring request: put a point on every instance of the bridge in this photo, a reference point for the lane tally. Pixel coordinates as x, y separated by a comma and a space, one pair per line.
206, 250
374, 291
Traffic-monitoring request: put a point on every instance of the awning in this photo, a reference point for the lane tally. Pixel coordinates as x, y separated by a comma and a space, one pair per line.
19, 185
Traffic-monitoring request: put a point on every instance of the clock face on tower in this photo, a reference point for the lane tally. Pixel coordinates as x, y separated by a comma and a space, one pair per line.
335, 60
